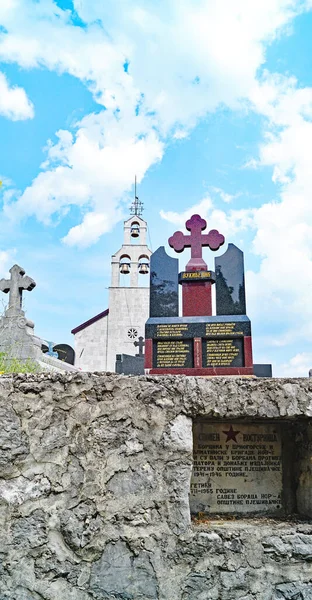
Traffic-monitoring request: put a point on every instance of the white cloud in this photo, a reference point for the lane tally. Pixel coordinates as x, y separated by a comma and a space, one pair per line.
95, 168
298, 366
182, 63
14, 103
225, 197
226, 223
279, 292
283, 240
6, 257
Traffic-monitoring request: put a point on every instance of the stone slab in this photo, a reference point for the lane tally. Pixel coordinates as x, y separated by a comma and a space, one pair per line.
164, 289
263, 370
129, 365
237, 468
230, 282
192, 327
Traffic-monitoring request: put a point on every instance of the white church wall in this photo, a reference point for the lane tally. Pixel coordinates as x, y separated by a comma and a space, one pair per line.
128, 309
91, 346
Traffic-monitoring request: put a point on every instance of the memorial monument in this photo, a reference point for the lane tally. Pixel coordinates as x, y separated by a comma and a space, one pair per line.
198, 342
17, 338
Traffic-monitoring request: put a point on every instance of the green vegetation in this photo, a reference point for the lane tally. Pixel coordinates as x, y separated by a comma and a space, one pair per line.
14, 365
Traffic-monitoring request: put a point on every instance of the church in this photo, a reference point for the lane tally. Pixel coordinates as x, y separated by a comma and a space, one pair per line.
118, 329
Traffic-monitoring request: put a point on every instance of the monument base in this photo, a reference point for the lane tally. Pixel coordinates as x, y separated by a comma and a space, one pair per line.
202, 372
203, 346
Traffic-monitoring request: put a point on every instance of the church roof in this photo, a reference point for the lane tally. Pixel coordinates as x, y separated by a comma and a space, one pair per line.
90, 321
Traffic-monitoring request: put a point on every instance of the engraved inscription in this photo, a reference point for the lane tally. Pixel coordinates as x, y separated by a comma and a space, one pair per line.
237, 468
174, 353
223, 352
171, 330
196, 275
221, 329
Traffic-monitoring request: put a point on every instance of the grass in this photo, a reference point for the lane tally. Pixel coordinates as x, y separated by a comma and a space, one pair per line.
14, 365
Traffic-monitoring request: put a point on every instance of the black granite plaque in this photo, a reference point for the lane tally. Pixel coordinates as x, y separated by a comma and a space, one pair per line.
65, 353
172, 353
223, 352
230, 282
198, 327
164, 293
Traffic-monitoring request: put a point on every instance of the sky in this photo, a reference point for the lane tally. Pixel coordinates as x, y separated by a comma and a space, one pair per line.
207, 102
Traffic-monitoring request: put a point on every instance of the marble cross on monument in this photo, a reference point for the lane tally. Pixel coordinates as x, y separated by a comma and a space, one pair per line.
140, 344
196, 241
15, 285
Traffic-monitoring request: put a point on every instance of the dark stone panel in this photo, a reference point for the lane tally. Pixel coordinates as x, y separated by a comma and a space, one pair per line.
65, 353
129, 365
164, 293
263, 370
230, 282
199, 327
223, 352
170, 353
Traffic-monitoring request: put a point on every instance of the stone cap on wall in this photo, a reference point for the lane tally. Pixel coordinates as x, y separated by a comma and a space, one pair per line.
223, 397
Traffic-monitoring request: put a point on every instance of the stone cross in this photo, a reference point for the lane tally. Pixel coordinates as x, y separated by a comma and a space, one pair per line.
140, 344
196, 241
50, 350
15, 286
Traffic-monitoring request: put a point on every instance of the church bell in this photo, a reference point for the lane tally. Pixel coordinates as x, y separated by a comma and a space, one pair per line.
143, 269
143, 264
125, 264
125, 268
135, 230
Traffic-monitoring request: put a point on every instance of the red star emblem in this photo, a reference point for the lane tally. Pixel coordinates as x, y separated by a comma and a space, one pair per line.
231, 434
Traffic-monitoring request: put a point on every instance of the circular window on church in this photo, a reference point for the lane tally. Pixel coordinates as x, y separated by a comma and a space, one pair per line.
132, 333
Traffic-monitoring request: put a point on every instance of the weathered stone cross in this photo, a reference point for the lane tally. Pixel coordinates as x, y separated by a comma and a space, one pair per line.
16, 285
140, 344
196, 241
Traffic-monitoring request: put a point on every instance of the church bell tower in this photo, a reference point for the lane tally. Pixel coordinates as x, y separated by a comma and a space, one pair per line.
129, 290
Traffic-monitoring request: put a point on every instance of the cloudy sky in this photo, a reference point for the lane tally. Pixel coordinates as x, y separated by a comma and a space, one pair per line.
208, 102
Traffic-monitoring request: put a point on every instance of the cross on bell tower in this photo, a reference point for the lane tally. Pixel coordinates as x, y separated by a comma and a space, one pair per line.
137, 206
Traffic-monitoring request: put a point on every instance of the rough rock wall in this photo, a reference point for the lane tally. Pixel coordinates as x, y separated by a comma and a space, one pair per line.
94, 481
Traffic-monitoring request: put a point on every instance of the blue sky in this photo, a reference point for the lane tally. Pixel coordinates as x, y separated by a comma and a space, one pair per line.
213, 113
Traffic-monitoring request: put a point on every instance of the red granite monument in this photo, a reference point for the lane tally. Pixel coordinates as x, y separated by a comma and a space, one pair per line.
198, 342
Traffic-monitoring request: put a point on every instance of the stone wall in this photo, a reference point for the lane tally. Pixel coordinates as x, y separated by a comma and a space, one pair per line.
94, 482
